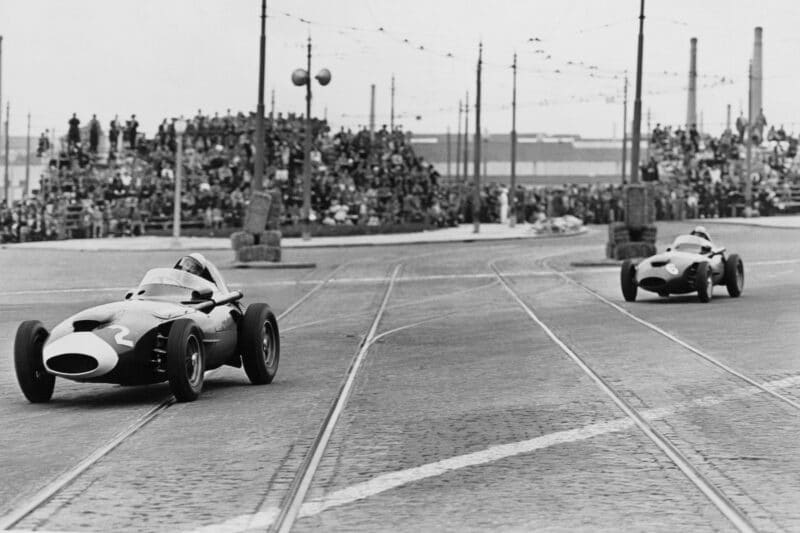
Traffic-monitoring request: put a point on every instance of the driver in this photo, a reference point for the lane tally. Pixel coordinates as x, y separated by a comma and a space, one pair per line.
198, 265
700, 231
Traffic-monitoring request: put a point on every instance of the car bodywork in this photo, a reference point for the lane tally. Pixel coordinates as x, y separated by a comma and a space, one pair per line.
674, 271
125, 342
692, 263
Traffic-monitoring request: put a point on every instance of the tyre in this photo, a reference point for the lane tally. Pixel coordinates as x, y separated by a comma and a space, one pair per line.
734, 275
185, 361
704, 282
36, 383
627, 279
259, 344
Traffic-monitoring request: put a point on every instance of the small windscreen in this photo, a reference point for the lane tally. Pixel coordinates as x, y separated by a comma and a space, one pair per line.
691, 244
170, 283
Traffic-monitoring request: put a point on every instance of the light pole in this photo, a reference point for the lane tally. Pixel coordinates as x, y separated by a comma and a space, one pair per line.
512, 198
180, 128
302, 77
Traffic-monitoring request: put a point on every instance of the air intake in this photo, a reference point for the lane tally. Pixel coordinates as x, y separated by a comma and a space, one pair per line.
86, 325
72, 363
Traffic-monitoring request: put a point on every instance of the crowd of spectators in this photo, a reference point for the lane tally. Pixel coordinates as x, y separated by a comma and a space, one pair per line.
128, 187
125, 185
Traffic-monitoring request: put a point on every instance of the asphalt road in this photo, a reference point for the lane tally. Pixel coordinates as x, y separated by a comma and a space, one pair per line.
469, 411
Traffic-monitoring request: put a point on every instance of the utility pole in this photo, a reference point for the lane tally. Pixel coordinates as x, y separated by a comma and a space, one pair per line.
448, 154
624, 127
466, 137
272, 106
512, 219
371, 112
476, 207
306, 233
485, 152
748, 141
691, 104
258, 171
458, 144
391, 119
637, 103
6, 186
27, 159
1, 97
728, 118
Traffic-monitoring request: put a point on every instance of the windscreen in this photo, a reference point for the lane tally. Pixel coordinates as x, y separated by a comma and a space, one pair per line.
170, 283
691, 244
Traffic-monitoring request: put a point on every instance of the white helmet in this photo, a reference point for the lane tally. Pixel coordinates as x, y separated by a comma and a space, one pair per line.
700, 231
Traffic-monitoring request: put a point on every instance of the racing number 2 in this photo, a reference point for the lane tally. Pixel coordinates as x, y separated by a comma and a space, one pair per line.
119, 338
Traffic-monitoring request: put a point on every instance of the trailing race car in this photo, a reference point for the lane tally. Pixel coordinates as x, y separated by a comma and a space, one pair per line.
692, 263
178, 323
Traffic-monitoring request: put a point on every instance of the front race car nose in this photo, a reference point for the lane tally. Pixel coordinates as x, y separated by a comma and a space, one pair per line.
81, 355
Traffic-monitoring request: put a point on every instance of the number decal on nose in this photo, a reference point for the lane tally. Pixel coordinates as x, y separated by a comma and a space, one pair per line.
119, 338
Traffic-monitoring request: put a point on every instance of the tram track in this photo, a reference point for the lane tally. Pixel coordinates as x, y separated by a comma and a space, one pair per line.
67, 477
292, 502
680, 342
714, 494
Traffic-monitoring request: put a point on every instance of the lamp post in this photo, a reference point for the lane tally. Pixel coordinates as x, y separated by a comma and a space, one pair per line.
302, 77
180, 128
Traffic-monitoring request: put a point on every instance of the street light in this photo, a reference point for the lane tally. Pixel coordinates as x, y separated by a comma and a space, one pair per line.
180, 128
302, 77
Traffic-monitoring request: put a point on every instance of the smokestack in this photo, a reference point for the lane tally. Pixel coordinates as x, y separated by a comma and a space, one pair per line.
758, 75
691, 104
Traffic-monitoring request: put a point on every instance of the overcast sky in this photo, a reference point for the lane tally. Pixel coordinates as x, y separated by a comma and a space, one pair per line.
163, 58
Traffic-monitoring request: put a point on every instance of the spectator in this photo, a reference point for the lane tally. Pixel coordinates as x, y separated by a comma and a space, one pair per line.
94, 134
113, 134
74, 133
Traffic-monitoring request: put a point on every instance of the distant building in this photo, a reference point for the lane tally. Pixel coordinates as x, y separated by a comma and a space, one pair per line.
541, 159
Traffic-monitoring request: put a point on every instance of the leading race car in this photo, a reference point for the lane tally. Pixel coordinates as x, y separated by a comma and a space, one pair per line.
177, 324
691, 264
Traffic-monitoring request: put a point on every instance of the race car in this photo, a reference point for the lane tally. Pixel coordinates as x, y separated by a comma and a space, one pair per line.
175, 325
692, 263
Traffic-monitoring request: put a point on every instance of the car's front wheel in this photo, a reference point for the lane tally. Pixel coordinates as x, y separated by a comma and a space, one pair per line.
185, 361
704, 282
734, 275
36, 383
627, 279
260, 344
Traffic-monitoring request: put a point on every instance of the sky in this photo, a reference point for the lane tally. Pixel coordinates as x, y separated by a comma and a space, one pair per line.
165, 58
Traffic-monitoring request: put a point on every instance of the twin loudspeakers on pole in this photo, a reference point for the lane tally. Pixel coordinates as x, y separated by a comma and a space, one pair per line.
476, 203
302, 78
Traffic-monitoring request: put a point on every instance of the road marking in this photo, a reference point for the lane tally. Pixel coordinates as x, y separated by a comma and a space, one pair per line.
718, 498
352, 316
287, 515
710, 358
392, 480
286, 283
259, 521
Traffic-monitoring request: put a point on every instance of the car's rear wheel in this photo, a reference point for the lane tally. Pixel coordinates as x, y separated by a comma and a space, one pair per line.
260, 344
185, 361
704, 282
627, 279
734, 275
36, 383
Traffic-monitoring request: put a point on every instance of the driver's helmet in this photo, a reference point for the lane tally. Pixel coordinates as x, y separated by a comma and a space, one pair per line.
700, 231
193, 265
